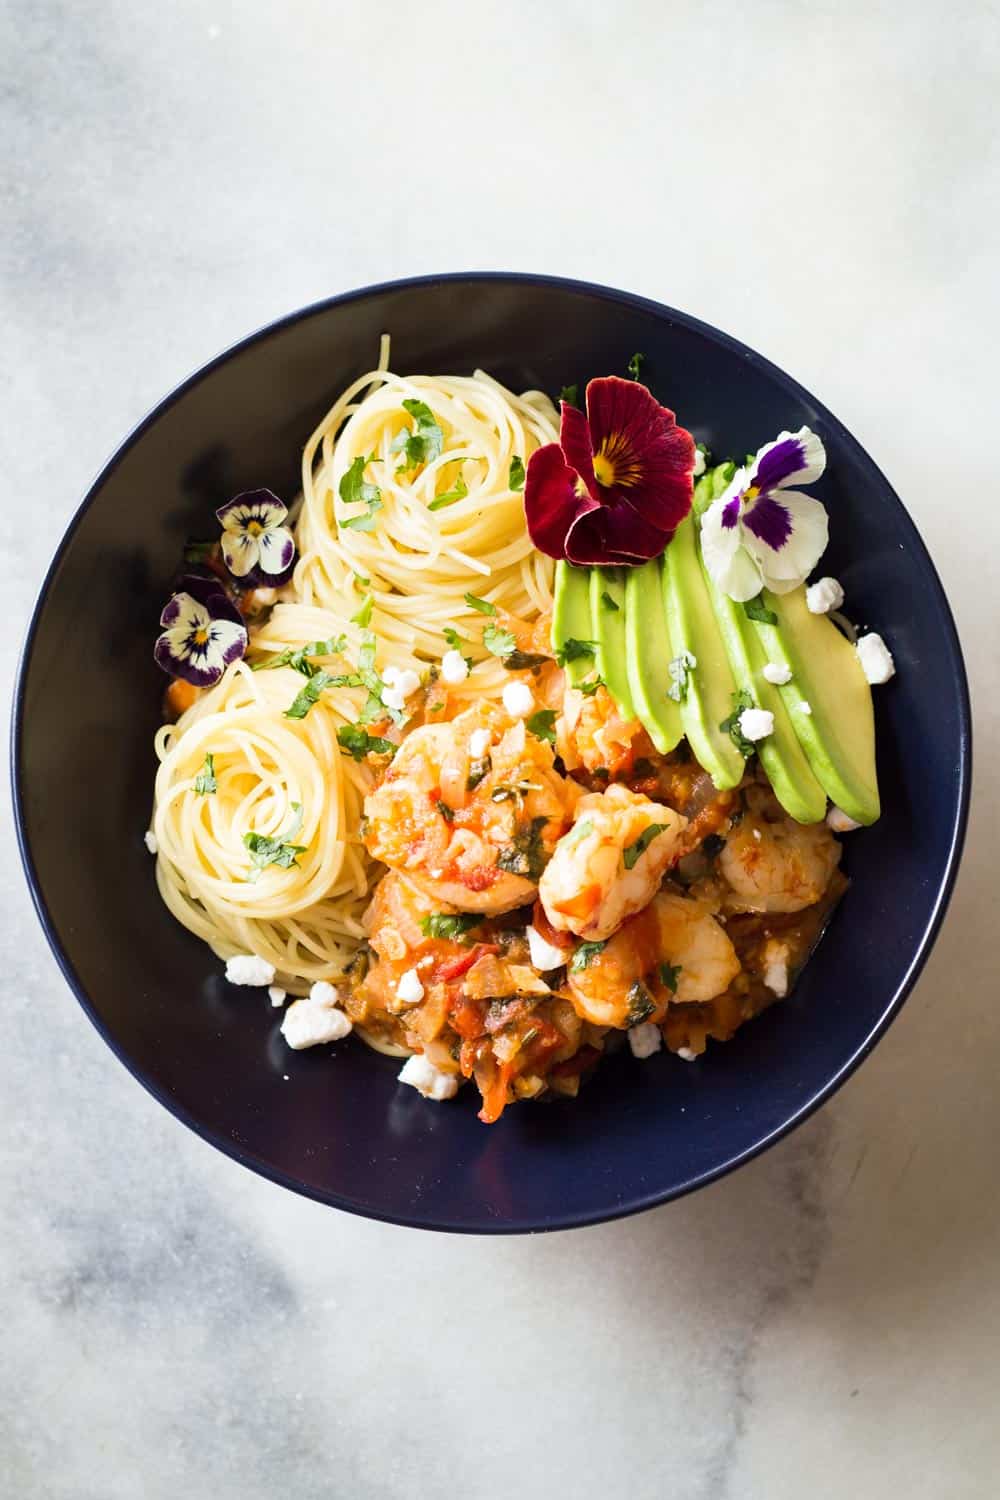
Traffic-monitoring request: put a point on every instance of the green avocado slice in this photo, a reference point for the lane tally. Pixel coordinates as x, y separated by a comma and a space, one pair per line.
571, 619
838, 734
781, 755
710, 684
648, 651
607, 612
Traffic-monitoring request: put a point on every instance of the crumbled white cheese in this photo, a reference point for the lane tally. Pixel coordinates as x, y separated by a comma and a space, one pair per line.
428, 1080
776, 968
454, 667
409, 990
479, 742
247, 968
149, 839
756, 723
644, 1039
805, 708
545, 956
518, 699
876, 658
687, 1054
699, 463
824, 595
323, 993
839, 822
400, 683
306, 1024
277, 995
773, 672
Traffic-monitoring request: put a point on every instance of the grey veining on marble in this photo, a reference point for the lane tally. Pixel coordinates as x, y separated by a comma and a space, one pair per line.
822, 182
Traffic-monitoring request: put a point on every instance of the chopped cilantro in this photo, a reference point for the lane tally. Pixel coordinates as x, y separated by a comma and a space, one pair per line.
482, 605
205, 783
310, 694
359, 743
279, 851
756, 609
526, 855
458, 492
498, 641
608, 602
635, 851
640, 1004
355, 490
635, 365
570, 394
364, 614
447, 812
589, 688
515, 477
573, 650
731, 725
542, 724
426, 440
449, 925
584, 955
679, 668
669, 975
455, 642
299, 659
478, 770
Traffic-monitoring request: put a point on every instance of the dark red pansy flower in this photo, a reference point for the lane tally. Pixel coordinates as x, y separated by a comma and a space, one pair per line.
616, 486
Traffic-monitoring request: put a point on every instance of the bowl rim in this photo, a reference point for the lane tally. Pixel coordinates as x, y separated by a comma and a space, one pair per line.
556, 1220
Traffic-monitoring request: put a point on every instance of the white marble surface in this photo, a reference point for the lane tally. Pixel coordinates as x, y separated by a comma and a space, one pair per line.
819, 180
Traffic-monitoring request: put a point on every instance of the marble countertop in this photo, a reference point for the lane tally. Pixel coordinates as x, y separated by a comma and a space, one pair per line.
821, 181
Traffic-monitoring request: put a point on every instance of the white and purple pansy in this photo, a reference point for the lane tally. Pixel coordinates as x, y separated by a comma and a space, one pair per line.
203, 632
760, 533
256, 544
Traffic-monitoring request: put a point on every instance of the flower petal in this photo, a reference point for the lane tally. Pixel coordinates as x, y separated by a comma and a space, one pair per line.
802, 548
793, 458
262, 506
208, 589
196, 647
613, 534
729, 565
574, 440
240, 551
552, 499
649, 458
277, 549
769, 520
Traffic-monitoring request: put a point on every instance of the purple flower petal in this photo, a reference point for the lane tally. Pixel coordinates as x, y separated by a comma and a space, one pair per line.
793, 457
208, 589
769, 521
261, 506
199, 643
731, 512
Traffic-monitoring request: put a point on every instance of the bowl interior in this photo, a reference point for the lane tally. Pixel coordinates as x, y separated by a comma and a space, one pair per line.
332, 1122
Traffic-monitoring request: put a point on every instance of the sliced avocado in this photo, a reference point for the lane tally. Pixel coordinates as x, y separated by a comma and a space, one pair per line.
838, 734
781, 755
571, 620
607, 612
647, 653
707, 698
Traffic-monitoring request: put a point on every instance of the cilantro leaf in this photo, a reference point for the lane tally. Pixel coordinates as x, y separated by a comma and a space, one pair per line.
572, 650
669, 975
526, 855
542, 724
498, 641
608, 602
426, 440
455, 642
458, 492
570, 394
364, 614
640, 1004
756, 609
731, 725
356, 490
278, 851
205, 783
298, 659
482, 605
584, 955
589, 688
515, 476
448, 925
478, 770
635, 851
310, 694
679, 668
359, 743
635, 365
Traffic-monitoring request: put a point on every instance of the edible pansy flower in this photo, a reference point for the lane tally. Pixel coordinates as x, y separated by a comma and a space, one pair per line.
616, 486
760, 533
203, 632
256, 544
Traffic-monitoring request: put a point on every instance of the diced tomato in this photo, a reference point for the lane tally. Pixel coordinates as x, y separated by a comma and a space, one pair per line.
456, 967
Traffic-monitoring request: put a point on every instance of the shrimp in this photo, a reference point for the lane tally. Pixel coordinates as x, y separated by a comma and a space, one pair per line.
771, 863
470, 811
592, 734
610, 864
674, 951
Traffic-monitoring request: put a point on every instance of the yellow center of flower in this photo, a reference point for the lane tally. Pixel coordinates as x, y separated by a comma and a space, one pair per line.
201, 636
615, 462
750, 494
254, 528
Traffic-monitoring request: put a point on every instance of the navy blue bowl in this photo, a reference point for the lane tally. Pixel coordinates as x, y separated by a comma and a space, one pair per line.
340, 1129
